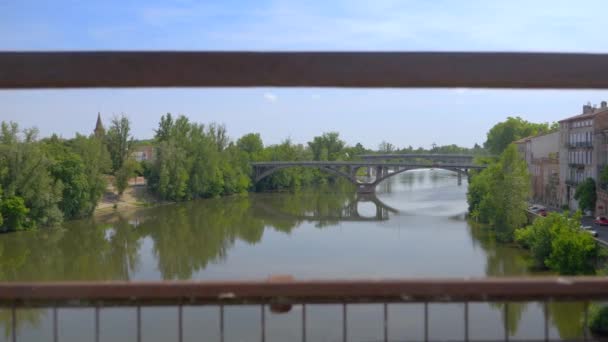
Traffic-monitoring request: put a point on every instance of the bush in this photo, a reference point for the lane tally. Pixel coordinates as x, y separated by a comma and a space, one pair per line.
557, 242
598, 320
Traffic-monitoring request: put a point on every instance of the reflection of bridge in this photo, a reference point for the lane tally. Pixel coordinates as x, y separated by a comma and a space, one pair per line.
349, 169
348, 212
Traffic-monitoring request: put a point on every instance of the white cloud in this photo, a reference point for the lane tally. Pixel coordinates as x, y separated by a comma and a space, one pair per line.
270, 97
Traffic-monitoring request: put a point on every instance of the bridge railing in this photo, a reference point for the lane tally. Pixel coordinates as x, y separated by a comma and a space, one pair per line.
281, 294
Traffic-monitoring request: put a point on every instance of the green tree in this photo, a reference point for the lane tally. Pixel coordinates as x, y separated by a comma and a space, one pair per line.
328, 146
498, 194
127, 171
586, 195
119, 141
557, 242
252, 145
15, 212
514, 128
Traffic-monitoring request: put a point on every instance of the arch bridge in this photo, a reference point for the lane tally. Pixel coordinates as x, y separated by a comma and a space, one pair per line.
378, 171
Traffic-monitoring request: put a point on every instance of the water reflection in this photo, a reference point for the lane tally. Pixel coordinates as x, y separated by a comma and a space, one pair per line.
327, 232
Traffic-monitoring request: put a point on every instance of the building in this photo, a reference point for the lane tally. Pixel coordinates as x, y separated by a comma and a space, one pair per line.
142, 153
542, 156
583, 152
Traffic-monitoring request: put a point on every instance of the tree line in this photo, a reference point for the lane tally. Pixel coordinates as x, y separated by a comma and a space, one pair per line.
46, 181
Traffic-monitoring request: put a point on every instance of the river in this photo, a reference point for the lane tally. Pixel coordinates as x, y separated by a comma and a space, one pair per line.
414, 227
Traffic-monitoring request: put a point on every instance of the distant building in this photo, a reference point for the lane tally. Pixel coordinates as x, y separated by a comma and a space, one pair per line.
99, 131
142, 153
542, 156
583, 153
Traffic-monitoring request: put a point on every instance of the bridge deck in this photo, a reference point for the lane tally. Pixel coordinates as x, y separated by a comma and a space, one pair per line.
367, 163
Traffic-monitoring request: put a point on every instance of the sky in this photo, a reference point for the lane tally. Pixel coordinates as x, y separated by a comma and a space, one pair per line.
416, 117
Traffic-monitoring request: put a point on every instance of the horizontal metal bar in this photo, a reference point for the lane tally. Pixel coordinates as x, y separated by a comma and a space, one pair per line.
313, 291
302, 69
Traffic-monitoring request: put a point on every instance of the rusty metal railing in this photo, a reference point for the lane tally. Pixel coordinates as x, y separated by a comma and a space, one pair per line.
281, 295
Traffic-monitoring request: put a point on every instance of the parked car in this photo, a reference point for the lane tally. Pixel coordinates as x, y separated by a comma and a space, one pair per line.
601, 220
589, 230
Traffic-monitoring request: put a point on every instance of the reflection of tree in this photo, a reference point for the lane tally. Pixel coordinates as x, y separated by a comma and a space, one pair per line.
190, 235
568, 318
505, 260
502, 260
29, 316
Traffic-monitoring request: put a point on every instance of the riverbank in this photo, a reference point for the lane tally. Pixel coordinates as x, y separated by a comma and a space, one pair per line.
136, 196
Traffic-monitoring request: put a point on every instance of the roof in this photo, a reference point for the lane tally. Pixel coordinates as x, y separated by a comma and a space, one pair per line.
585, 115
523, 140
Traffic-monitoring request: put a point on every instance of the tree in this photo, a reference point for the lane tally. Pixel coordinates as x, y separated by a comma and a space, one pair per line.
498, 194
14, 212
386, 147
127, 171
328, 146
557, 242
119, 141
252, 145
585, 194
514, 128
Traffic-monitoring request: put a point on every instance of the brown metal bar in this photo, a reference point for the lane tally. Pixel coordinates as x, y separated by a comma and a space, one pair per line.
263, 323
426, 321
546, 317
302, 69
96, 323
385, 320
14, 323
466, 321
138, 323
221, 323
322, 291
180, 323
55, 326
344, 323
506, 321
303, 322
585, 321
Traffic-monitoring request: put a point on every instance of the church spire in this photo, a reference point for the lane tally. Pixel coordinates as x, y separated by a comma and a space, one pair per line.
99, 130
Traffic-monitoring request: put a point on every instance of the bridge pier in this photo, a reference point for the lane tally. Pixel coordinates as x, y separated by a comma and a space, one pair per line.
366, 188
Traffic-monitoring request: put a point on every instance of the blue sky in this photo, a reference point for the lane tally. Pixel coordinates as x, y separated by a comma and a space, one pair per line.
401, 116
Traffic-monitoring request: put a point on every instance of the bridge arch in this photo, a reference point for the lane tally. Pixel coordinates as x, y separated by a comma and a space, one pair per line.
460, 172
362, 187
336, 171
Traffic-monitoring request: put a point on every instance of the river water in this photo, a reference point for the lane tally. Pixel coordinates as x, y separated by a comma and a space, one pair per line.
413, 227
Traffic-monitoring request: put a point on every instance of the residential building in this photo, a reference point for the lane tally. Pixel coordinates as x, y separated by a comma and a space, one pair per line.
583, 151
542, 156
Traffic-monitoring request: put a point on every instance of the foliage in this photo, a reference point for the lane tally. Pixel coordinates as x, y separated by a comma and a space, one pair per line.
514, 128
197, 161
328, 146
598, 319
119, 141
56, 178
498, 194
585, 194
557, 242
14, 211
127, 171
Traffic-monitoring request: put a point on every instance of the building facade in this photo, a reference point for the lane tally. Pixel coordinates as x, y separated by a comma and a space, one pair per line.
542, 157
583, 152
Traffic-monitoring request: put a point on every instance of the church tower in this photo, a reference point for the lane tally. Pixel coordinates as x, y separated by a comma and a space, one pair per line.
99, 131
